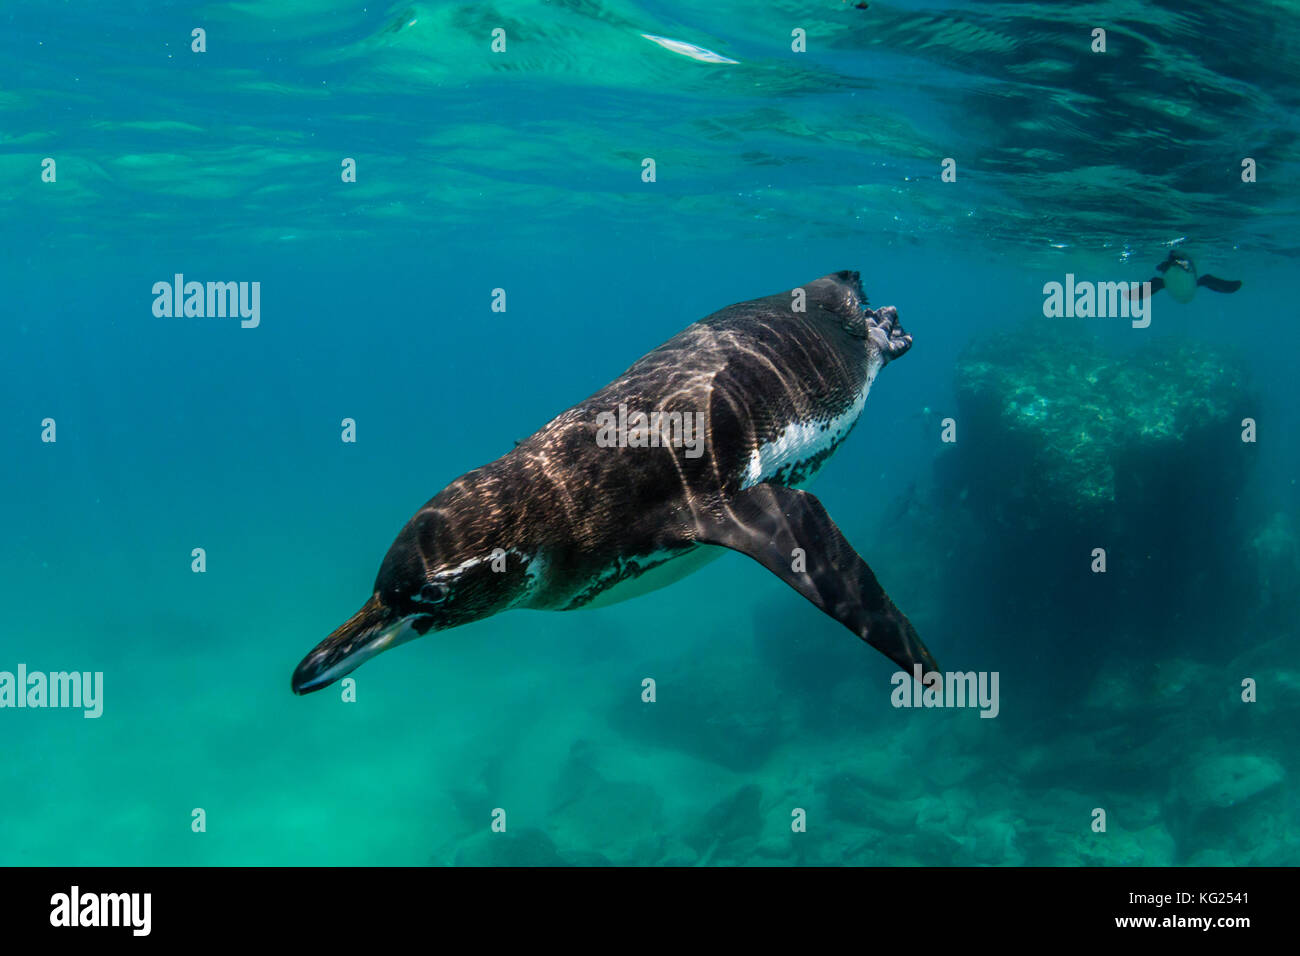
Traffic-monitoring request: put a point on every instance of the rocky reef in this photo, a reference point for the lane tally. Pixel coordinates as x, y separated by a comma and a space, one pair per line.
715, 708
1070, 432
1069, 453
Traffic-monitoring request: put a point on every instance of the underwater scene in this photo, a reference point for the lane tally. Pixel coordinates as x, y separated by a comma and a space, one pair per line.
276, 275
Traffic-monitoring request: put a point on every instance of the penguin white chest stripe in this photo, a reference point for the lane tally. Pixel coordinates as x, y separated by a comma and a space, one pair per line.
803, 441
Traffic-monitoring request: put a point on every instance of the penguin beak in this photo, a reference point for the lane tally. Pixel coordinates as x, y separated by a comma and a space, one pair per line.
372, 630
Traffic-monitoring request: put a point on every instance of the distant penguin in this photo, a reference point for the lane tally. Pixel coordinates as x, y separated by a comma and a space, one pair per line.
1178, 275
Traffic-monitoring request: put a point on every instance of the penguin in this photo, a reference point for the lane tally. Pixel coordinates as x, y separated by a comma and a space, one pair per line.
1178, 275
703, 445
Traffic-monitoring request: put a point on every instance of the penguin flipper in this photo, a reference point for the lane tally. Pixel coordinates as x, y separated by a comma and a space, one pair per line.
1215, 284
783, 528
1136, 295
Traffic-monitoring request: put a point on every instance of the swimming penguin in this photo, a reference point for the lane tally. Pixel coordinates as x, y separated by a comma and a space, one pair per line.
701, 445
1179, 277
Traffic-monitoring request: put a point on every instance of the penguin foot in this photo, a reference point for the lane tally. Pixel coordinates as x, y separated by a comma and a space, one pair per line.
886, 333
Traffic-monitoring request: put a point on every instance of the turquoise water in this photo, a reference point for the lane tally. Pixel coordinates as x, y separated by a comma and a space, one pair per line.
522, 170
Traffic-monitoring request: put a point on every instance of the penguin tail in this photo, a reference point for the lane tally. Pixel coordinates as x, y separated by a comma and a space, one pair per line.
1215, 284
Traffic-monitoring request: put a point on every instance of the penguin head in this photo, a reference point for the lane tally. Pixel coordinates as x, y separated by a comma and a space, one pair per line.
433, 578
1180, 276
1178, 261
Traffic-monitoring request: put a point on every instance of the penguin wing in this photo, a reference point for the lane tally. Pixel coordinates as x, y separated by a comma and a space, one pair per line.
1215, 284
1156, 284
776, 525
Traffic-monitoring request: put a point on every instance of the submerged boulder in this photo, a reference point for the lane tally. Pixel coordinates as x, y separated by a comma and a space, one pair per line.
1226, 780
1275, 556
1068, 430
1149, 846
721, 709
620, 820
730, 830
1096, 493
526, 847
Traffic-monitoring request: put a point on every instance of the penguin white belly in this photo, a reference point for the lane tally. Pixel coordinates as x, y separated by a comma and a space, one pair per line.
661, 575
804, 441
1180, 284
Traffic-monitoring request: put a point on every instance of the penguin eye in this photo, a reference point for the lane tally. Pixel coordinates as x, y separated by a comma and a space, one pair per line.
432, 593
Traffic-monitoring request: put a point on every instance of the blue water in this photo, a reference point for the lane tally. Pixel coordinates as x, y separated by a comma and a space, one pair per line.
522, 171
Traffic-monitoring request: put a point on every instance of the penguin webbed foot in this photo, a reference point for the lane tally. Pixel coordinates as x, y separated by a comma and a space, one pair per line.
886, 333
